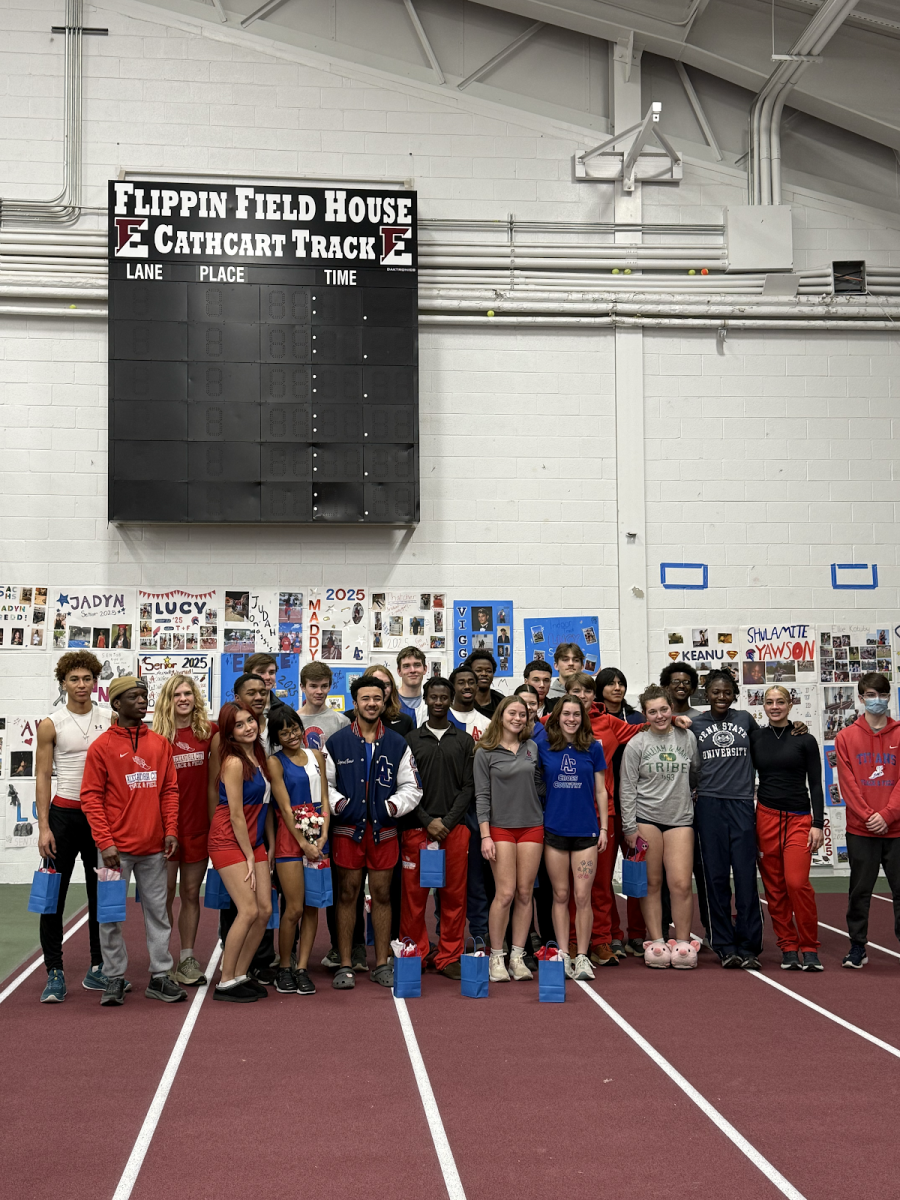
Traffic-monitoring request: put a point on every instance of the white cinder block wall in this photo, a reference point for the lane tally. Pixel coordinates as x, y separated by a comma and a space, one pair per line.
769, 457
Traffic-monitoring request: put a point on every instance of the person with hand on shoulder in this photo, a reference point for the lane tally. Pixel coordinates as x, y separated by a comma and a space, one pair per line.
241, 826
659, 769
64, 834
576, 817
868, 766
789, 771
680, 681
129, 794
508, 789
181, 718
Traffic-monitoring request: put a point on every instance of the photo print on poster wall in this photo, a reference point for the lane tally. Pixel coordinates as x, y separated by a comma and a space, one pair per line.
23, 617
175, 619
477, 626
846, 652
544, 634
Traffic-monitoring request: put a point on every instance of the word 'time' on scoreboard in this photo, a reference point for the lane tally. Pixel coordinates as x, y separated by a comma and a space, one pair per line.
263, 352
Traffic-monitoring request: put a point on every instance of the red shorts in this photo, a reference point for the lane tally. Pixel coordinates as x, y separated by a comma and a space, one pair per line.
235, 855
366, 855
533, 833
191, 848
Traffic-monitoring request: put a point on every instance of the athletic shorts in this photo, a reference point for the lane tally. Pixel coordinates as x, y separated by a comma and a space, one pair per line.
569, 845
367, 855
530, 833
660, 827
233, 855
298, 857
192, 848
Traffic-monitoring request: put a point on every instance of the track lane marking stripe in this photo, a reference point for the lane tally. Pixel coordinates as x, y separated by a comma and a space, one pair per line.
746, 1148
843, 933
158, 1103
39, 961
447, 1163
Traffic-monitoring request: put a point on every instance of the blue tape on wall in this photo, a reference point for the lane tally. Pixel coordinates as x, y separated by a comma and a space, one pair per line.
854, 586
696, 586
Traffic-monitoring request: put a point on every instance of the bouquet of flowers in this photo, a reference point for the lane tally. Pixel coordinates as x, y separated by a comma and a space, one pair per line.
309, 822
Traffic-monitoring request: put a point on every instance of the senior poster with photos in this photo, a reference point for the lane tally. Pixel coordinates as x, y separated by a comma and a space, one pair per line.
544, 634
707, 648
20, 746
484, 625
23, 617
97, 619
155, 669
287, 677
847, 652
337, 624
250, 622
178, 619
400, 619
20, 822
114, 664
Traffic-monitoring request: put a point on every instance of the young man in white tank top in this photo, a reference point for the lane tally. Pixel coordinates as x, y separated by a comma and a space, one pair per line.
63, 830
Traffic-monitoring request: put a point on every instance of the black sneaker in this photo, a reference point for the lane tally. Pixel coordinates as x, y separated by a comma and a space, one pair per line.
239, 994
530, 962
114, 992
634, 946
856, 958
305, 986
358, 960
284, 981
731, 961
265, 976
751, 963
790, 961
811, 961
163, 988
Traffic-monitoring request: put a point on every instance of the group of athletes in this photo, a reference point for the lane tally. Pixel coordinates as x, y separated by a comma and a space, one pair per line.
531, 796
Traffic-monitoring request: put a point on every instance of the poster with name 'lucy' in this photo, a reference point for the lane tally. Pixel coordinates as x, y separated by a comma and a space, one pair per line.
176, 619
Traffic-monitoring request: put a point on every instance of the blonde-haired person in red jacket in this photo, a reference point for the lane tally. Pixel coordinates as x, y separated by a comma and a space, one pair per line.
868, 774
129, 794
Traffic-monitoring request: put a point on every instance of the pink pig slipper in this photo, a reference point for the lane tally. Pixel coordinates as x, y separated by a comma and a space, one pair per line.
657, 954
683, 954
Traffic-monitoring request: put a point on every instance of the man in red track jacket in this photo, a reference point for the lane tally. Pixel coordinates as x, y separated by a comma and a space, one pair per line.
129, 794
868, 763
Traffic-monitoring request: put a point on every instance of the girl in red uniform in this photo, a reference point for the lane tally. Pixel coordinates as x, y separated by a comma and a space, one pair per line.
181, 718
241, 822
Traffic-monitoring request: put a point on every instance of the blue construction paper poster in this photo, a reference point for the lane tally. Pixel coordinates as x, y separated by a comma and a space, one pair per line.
544, 634
339, 697
833, 795
287, 682
484, 625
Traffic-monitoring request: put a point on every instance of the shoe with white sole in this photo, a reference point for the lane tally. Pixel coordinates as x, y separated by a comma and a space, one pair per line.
657, 954
582, 969
497, 972
570, 970
517, 968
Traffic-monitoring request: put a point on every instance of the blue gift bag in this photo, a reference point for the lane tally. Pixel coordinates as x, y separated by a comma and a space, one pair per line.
275, 919
112, 895
432, 868
475, 973
215, 894
407, 977
317, 889
634, 878
551, 980
44, 896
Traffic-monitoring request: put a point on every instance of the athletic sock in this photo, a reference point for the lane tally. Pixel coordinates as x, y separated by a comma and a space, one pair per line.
498, 953
226, 987
517, 952
186, 952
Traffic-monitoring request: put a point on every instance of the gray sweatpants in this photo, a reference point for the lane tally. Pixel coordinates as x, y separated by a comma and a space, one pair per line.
150, 875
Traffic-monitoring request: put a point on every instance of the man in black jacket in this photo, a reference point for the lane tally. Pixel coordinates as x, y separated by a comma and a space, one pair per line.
443, 755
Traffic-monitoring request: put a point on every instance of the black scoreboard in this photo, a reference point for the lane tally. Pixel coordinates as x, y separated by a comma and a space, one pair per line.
263, 354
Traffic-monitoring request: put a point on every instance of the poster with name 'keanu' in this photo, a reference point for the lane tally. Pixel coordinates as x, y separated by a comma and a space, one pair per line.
707, 648
263, 354
544, 634
484, 625
23, 617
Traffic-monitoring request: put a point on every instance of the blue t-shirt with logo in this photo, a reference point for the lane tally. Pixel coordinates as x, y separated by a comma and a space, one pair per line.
570, 810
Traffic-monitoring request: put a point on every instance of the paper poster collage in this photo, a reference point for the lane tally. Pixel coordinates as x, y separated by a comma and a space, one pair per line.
820, 665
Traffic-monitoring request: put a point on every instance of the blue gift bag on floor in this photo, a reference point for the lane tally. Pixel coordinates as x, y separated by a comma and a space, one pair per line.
475, 973
215, 894
634, 878
551, 980
432, 868
317, 889
407, 977
275, 919
44, 896
112, 895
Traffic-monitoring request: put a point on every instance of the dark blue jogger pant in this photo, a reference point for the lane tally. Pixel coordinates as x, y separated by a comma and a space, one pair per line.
726, 832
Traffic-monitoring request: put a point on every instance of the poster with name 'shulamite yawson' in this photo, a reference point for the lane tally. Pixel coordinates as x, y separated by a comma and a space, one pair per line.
399, 619
23, 617
95, 619
778, 653
337, 624
847, 652
178, 619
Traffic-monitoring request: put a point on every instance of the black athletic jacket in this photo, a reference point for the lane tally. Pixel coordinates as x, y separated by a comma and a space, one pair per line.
445, 771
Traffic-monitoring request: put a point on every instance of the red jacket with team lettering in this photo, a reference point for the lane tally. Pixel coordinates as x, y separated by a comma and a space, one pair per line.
129, 792
868, 764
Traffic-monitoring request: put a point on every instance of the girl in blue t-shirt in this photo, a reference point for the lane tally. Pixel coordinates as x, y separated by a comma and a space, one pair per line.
575, 821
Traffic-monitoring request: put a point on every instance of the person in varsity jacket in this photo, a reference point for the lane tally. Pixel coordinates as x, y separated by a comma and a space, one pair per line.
372, 770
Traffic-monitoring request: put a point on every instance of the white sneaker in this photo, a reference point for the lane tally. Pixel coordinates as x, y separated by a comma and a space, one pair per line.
570, 970
583, 968
517, 968
497, 972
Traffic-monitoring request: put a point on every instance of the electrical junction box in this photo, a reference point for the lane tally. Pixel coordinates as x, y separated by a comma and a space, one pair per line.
758, 237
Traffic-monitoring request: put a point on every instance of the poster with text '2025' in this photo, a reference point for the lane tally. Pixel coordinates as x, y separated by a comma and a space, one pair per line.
95, 619
544, 634
155, 669
337, 624
484, 625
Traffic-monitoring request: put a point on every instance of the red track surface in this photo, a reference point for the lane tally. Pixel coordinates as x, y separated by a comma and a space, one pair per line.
535, 1099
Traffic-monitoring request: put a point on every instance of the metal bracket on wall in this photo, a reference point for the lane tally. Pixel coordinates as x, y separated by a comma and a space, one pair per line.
854, 587
604, 163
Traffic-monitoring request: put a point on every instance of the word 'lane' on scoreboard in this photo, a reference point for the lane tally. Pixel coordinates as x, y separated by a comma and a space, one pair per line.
263, 354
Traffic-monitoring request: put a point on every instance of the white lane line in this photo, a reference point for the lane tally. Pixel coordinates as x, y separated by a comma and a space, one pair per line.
825, 1013
452, 1181
886, 899
843, 933
39, 961
759, 1161
145, 1136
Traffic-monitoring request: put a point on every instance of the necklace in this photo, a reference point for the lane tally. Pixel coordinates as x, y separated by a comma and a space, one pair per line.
779, 734
85, 731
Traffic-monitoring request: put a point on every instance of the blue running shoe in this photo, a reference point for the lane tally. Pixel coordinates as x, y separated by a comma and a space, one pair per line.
55, 991
95, 980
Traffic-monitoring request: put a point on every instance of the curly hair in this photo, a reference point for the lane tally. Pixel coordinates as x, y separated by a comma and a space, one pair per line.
78, 660
679, 668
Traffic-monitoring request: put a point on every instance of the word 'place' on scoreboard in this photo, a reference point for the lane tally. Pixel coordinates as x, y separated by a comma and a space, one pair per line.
263, 354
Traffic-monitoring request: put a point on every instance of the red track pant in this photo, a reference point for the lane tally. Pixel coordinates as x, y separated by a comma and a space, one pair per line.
784, 866
453, 894
606, 927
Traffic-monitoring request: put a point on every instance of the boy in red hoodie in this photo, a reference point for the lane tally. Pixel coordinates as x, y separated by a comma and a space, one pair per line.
868, 774
129, 794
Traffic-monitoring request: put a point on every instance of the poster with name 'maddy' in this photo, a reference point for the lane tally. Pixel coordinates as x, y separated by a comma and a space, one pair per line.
337, 624
95, 619
176, 619
23, 617
155, 669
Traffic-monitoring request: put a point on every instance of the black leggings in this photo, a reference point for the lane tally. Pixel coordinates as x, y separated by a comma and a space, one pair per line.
70, 828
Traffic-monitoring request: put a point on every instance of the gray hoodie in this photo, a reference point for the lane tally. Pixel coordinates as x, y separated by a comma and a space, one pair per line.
508, 787
658, 772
